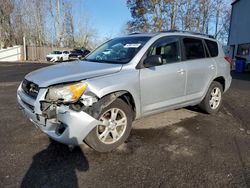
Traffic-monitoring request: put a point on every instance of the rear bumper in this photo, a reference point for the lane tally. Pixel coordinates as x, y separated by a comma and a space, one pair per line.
77, 125
228, 83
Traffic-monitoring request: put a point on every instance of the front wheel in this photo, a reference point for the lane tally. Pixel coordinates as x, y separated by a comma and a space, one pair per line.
115, 127
213, 99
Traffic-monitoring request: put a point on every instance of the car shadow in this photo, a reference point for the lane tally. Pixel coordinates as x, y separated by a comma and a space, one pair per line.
240, 76
55, 166
195, 108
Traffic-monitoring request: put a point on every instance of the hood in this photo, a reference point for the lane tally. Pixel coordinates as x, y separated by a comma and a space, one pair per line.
71, 71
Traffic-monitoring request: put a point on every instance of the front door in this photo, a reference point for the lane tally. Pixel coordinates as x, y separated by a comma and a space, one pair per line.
163, 86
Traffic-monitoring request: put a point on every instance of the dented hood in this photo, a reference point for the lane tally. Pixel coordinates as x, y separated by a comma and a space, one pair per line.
71, 71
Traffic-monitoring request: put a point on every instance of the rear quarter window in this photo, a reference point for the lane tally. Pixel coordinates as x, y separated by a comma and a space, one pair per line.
212, 47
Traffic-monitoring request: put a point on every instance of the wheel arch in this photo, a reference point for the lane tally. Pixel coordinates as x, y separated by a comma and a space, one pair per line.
221, 80
126, 96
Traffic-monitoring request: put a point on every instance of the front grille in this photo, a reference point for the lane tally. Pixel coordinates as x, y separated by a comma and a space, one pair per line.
30, 88
48, 58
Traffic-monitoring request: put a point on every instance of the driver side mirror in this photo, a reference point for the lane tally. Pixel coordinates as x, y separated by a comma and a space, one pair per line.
152, 61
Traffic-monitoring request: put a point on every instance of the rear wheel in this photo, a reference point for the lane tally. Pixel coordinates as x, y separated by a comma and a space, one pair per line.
213, 99
115, 127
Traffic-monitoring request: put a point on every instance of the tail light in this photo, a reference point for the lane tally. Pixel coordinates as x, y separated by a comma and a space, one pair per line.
228, 59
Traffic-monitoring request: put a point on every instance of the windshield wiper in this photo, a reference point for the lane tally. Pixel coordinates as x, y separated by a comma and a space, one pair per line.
92, 60
100, 61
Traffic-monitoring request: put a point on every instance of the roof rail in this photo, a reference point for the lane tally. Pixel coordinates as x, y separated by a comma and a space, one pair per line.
134, 33
190, 32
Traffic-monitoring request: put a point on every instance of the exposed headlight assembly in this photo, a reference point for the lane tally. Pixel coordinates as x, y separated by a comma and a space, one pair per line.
67, 93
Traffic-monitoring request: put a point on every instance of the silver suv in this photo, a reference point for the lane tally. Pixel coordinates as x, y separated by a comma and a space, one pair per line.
97, 99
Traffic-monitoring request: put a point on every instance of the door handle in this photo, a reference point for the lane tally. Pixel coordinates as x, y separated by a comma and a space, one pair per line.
181, 71
212, 67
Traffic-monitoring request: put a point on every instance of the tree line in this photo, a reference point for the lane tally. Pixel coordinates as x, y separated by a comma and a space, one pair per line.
55, 23
205, 16
43, 22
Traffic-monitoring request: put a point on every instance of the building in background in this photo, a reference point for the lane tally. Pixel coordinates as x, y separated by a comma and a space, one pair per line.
239, 32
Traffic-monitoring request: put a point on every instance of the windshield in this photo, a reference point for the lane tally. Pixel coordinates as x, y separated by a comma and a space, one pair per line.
119, 50
56, 52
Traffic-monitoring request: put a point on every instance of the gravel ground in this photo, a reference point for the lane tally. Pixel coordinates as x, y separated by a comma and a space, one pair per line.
180, 148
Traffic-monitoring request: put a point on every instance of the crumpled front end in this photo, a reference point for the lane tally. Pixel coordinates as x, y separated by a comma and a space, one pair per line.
60, 122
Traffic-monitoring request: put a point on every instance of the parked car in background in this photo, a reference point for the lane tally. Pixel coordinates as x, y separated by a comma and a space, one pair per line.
78, 53
96, 100
58, 56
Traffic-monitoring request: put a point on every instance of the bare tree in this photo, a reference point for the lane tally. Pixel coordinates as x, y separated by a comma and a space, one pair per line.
156, 8
18, 24
224, 24
68, 25
187, 14
86, 35
46, 22
138, 11
218, 10
6, 29
29, 22
174, 4
205, 16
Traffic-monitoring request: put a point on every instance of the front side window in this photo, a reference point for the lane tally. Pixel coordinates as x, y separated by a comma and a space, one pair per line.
56, 52
193, 48
168, 48
119, 50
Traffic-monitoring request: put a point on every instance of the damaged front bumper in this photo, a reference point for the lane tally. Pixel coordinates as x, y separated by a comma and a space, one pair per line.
69, 127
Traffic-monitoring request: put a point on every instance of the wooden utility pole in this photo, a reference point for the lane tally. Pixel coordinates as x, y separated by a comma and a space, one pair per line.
58, 15
24, 49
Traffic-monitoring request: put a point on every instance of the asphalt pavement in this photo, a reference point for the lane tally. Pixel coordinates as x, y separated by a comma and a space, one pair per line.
180, 148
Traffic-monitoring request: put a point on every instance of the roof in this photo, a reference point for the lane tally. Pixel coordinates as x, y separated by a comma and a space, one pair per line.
236, 1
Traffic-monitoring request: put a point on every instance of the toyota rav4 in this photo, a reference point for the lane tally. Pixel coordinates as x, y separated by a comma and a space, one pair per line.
96, 100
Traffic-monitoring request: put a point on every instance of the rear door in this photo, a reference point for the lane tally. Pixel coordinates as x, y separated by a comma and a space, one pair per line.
200, 67
164, 85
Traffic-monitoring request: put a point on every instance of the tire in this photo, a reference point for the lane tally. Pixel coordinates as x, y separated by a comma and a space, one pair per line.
61, 59
101, 138
212, 101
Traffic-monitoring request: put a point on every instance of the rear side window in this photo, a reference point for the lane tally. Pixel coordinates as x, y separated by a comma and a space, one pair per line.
212, 47
194, 48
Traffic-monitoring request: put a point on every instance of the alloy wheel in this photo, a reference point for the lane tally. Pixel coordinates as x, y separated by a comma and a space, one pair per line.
215, 98
113, 126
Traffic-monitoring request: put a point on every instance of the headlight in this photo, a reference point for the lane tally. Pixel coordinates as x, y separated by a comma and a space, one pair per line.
67, 93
